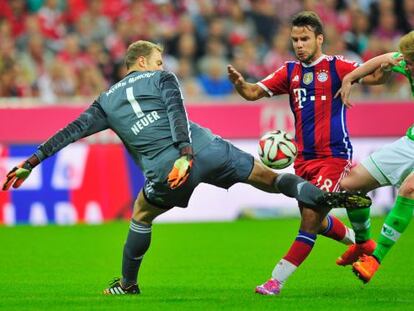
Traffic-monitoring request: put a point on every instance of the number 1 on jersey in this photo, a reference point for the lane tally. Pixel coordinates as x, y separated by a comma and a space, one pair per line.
134, 103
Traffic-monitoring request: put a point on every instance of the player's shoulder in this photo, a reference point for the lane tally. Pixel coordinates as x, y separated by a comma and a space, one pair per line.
285, 66
340, 59
291, 63
167, 75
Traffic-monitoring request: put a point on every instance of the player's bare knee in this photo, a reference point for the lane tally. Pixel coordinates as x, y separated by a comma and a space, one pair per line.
142, 210
407, 188
140, 215
262, 174
312, 228
347, 184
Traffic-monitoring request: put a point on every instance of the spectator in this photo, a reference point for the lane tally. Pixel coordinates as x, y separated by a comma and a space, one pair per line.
249, 33
185, 42
35, 59
241, 26
52, 23
89, 81
99, 25
215, 50
279, 52
213, 80
407, 12
57, 83
12, 83
189, 84
387, 29
357, 37
32, 29
72, 53
15, 13
265, 20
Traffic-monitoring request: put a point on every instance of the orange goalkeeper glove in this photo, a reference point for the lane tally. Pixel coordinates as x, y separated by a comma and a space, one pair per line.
181, 168
17, 175
20, 172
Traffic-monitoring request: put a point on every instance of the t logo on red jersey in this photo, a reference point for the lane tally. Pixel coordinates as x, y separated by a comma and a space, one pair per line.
300, 96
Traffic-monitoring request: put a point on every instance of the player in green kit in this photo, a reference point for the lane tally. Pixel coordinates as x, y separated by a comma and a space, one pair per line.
146, 110
391, 165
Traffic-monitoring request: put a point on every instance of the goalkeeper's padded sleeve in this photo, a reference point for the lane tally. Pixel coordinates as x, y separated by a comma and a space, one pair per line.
177, 115
91, 121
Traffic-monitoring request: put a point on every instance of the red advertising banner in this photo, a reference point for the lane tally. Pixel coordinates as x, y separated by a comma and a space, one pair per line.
235, 120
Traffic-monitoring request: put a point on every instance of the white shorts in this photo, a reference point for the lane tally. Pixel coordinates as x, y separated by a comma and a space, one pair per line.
391, 164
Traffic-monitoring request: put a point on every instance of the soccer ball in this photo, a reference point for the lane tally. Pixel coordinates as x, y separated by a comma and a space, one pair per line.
277, 149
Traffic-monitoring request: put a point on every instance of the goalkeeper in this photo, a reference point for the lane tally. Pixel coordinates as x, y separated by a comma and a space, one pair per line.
146, 110
393, 164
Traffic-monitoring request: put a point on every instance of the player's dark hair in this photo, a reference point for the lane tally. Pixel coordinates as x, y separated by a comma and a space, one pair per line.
140, 48
310, 20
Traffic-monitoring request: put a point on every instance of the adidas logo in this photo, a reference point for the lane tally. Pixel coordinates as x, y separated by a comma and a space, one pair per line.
295, 78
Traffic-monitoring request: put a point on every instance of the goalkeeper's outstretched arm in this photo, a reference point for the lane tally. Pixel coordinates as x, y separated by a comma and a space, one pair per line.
91, 121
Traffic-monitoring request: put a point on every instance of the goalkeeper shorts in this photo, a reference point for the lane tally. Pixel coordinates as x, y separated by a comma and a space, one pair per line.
219, 163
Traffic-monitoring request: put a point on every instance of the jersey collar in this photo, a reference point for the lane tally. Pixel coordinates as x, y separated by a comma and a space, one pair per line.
314, 62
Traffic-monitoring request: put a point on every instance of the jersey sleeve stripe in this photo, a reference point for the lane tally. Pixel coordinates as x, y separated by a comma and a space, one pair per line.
264, 87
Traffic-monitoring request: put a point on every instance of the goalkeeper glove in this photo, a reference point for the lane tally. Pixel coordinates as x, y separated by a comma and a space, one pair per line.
181, 168
19, 173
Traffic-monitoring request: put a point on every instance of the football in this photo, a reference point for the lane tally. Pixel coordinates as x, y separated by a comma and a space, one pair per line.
277, 149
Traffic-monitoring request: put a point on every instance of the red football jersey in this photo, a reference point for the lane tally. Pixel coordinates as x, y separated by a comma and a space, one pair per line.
320, 119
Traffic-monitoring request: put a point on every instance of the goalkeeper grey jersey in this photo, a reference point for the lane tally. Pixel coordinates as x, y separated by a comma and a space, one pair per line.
146, 110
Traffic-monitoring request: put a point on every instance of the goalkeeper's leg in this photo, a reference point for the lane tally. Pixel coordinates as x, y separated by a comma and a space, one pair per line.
306, 193
139, 238
136, 245
290, 185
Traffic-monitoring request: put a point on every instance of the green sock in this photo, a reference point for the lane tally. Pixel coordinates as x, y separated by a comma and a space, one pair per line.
361, 223
395, 224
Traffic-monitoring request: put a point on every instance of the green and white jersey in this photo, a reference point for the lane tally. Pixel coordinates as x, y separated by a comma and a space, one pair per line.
402, 69
146, 110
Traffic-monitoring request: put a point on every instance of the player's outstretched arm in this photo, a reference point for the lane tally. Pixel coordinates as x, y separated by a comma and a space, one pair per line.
249, 91
374, 71
383, 65
89, 122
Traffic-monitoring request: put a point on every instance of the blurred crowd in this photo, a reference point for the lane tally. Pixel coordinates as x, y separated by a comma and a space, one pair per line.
59, 49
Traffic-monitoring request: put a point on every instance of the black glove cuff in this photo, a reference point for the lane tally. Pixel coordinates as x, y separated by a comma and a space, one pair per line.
187, 151
31, 162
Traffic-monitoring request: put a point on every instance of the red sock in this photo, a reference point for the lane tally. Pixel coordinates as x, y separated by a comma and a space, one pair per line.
336, 229
300, 248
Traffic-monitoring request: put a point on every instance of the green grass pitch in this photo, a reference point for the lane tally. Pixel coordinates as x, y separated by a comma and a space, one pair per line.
198, 266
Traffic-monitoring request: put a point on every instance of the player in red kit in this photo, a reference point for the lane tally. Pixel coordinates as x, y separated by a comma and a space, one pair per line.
324, 148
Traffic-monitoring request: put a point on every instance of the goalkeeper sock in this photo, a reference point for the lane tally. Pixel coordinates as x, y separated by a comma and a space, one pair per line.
296, 187
137, 243
361, 224
395, 224
297, 253
337, 231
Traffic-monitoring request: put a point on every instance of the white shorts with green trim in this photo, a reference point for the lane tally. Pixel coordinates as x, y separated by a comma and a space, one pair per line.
391, 164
